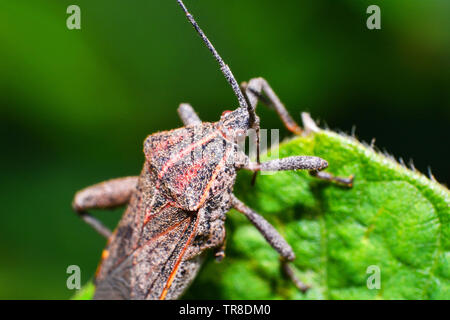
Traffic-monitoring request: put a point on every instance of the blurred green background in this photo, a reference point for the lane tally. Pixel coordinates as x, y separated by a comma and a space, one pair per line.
76, 105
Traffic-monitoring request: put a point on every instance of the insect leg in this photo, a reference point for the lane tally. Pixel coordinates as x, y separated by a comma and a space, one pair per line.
346, 181
289, 163
258, 89
105, 195
313, 164
267, 230
219, 253
188, 115
287, 269
273, 238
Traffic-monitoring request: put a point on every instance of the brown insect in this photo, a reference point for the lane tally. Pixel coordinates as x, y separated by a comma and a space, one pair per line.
177, 206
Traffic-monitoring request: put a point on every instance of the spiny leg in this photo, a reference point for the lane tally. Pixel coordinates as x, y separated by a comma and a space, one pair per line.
310, 126
258, 89
105, 195
345, 181
289, 271
273, 238
267, 230
255, 90
188, 115
289, 163
313, 164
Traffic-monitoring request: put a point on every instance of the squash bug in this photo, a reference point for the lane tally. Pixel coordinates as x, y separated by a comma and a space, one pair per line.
177, 205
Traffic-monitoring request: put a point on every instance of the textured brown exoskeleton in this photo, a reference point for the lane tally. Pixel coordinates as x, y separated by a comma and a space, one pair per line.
177, 206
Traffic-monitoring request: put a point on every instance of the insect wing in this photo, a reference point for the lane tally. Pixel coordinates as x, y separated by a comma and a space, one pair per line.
146, 270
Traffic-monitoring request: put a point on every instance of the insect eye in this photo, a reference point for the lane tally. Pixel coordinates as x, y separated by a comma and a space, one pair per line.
225, 112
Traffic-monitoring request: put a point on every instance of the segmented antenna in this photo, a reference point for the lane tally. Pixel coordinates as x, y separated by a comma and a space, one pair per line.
223, 66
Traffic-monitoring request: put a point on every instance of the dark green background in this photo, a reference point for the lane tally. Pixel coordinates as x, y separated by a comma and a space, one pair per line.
75, 105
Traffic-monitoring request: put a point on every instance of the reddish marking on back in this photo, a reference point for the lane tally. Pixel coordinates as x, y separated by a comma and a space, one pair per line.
184, 152
162, 233
213, 178
177, 264
138, 248
185, 179
105, 255
163, 145
165, 232
149, 214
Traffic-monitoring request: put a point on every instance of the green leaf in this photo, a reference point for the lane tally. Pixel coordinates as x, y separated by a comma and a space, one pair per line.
393, 218
85, 293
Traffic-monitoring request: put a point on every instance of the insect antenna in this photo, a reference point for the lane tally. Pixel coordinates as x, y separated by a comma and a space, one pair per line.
223, 66
243, 101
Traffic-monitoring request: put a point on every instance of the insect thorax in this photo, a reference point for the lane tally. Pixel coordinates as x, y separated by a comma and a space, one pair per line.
188, 161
